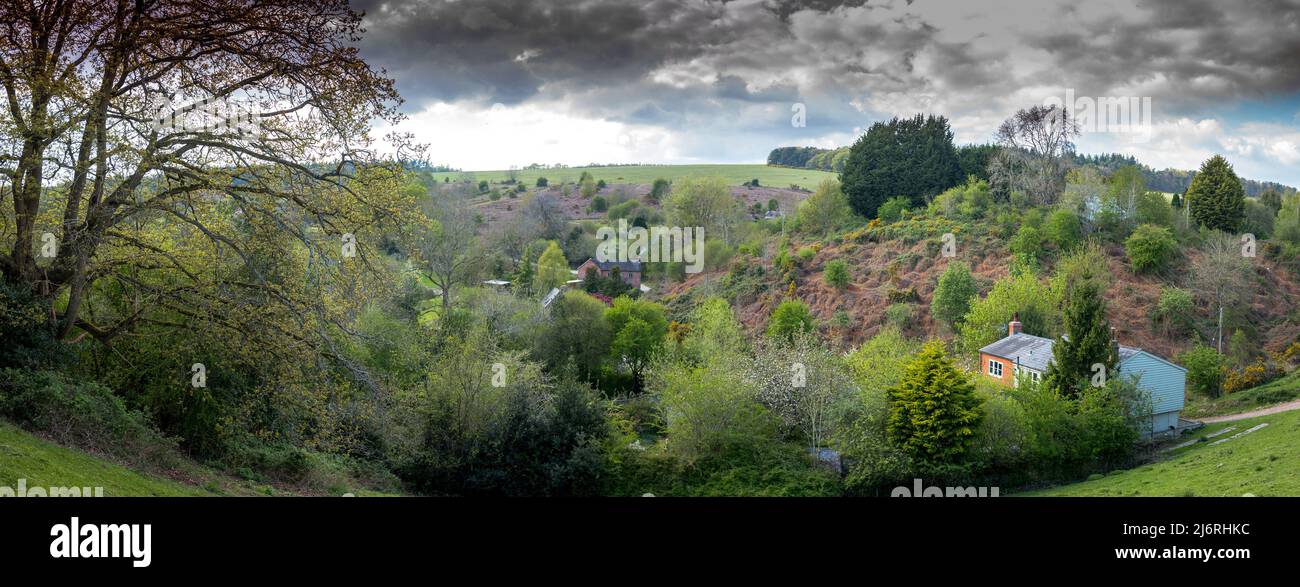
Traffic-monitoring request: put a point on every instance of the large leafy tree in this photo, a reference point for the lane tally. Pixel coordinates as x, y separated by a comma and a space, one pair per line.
1037, 145
912, 157
552, 268
933, 411
1216, 198
639, 328
706, 202
825, 210
158, 214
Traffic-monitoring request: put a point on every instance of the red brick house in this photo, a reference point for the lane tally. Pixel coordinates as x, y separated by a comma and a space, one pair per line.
628, 271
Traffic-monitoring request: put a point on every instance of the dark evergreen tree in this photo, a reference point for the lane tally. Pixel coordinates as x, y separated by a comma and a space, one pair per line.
1216, 198
974, 160
911, 157
1087, 340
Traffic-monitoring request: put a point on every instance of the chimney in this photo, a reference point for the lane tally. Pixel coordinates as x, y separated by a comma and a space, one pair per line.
1013, 327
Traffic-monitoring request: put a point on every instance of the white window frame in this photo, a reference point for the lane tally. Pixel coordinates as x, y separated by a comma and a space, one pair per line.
998, 364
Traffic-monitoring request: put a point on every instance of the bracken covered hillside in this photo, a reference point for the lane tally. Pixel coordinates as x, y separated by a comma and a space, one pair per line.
878, 266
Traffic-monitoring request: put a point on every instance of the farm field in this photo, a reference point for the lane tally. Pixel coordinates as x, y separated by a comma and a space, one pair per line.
1265, 462
646, 174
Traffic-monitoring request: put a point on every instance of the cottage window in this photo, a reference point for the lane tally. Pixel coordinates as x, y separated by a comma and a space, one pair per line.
995, 368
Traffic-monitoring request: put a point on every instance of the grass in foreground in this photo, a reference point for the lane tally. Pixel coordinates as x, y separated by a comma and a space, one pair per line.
776, 177
44, 464
1274, 392
1262, 463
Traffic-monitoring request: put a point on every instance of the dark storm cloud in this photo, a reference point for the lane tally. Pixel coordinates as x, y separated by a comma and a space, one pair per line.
508, 50
1200, 51
505, 50
704, 68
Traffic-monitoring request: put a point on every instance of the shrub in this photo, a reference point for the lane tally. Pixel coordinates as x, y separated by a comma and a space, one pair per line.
599, 204
806, 254
898, 315
901, 296
952, 296
82, 414
1027, 244
542, 182
790, 318
1204, 370
1174, 310
892, 210
1150, 248
1252, 375
1062, 229
29, 340
837, 273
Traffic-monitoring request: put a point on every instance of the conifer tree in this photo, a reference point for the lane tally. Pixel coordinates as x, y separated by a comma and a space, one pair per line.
933, 411
1087, 340
1216, 198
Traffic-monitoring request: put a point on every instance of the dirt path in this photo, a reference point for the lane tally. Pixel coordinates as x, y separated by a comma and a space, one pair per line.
1286, 407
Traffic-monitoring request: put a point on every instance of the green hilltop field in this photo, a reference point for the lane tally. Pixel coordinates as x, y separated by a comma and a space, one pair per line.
782, 177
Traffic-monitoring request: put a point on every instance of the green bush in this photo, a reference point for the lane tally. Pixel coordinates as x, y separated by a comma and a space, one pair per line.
790, 318
892, 210
82, 414
952, 296
1062, 229
1205, 368
1150, 248
1174, 310
898, 315
1027, 244
837, 273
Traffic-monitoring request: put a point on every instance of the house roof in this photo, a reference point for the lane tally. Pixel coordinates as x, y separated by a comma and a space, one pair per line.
623, 266
1026, 350
1035, 352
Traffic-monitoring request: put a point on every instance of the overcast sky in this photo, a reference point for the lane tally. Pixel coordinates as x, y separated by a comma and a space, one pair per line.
494, 83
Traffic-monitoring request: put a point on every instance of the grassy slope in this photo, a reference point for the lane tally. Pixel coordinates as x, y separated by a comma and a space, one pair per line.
1282, 390
1263, 463
645, 174
23, 456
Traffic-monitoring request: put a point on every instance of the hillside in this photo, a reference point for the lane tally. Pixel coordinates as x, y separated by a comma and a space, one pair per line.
24, 455
1218, 463
1131, 297
44, 464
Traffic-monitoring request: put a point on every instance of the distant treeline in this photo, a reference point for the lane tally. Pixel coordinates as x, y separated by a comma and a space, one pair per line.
1170, 180
974, 159
417, 165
